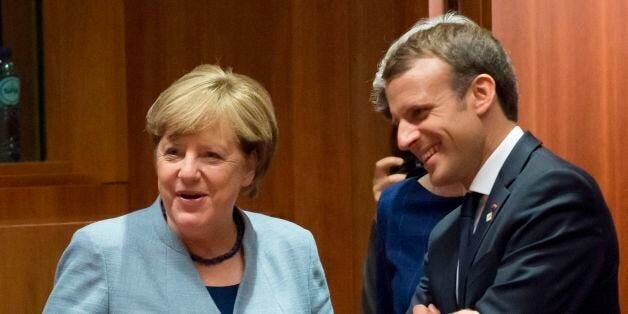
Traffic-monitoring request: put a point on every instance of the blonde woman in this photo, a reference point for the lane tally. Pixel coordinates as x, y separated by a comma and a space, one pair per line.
193, 250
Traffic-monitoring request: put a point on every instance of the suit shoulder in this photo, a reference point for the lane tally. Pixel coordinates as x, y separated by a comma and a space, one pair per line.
549, 168
444, 225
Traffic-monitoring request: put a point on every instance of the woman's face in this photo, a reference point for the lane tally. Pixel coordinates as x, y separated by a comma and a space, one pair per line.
199, 178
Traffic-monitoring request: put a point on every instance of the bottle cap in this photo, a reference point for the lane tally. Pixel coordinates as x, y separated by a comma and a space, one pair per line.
5, 53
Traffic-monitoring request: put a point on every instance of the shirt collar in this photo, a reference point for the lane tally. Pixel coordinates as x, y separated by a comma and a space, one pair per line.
485, 178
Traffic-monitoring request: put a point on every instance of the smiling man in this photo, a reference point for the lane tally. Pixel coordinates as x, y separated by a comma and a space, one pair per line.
534, 234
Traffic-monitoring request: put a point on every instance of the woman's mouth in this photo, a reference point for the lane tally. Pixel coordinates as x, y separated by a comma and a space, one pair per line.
190, 195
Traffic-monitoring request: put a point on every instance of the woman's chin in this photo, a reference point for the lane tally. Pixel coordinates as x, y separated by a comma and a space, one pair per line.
187, 224
190, 205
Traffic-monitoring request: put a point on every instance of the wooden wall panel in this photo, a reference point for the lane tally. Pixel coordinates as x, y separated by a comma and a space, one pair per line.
28, 260
570, 58
477, 10
85, 87
321, 137
61, 203
18, 34
374, 25
40, 203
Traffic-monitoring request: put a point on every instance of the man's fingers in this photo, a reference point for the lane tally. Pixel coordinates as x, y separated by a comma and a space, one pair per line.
420, 309
433, 309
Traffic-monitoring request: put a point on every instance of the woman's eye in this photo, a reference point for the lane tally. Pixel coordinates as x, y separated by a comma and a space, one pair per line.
213, 155
171, 151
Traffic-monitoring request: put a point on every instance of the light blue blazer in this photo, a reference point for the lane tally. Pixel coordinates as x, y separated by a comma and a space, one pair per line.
136, 264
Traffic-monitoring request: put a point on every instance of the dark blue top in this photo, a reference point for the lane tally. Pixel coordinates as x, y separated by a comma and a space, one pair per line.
406, 214
224, 297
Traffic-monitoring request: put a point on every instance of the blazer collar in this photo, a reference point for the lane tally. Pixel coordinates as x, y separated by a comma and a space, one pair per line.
165, 234
255, 290
517, 159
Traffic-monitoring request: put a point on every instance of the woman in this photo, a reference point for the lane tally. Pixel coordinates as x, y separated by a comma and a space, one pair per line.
407, 211
214, 133
408, 208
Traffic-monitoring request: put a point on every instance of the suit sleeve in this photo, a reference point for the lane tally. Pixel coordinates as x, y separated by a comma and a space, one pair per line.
422, 294
561, 242
320, 302
80, 280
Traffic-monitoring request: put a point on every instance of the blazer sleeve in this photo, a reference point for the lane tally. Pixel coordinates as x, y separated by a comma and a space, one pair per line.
320, 301
80, 280
562, 241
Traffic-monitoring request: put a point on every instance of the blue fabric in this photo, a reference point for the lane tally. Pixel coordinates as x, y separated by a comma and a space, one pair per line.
136, 264
224, 297
406, 214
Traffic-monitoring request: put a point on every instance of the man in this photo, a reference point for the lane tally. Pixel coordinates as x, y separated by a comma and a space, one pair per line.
534, 234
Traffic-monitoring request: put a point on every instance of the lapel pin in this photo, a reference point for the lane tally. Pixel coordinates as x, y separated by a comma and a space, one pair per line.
489, 215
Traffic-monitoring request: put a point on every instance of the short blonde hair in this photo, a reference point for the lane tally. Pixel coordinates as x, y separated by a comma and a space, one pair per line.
210, 95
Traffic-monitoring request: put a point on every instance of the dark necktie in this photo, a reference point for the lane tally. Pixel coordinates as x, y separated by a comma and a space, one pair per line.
465, 256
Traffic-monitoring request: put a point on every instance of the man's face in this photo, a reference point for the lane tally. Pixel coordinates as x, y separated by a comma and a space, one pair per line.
442, 130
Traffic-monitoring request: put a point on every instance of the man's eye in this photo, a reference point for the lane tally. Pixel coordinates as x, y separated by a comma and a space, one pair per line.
418, 114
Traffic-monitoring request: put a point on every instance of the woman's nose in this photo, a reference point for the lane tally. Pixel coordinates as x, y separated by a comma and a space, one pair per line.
189, 169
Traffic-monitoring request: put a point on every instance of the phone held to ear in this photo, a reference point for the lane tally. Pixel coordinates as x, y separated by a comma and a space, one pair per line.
410, 165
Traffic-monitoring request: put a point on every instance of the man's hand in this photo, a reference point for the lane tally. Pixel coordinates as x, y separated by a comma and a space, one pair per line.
422, 309
431, 309
381, 178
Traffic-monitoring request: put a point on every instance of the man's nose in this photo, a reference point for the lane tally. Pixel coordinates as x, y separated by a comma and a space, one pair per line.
407, 134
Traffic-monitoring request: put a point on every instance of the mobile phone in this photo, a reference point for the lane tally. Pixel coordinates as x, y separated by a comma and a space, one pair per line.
410, 165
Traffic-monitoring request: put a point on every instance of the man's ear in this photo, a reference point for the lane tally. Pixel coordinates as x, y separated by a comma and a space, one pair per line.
481, 93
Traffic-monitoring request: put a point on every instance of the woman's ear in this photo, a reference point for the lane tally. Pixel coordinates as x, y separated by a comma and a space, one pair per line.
481, 93
251, 167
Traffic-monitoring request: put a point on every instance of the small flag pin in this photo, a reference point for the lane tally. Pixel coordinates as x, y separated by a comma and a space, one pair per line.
489, 216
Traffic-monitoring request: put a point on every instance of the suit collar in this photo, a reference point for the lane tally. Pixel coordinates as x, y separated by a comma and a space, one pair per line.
486, 176
517, 159
512, 167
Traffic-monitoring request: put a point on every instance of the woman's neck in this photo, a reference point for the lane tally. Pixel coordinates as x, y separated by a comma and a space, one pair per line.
213, 240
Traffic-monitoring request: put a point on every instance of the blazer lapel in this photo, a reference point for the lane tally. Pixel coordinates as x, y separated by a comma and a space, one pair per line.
256, 292
184, 288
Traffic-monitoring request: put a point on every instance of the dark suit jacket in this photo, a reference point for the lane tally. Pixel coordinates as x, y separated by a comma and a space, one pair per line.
549, 245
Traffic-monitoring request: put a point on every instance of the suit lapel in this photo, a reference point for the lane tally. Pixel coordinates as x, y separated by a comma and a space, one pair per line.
514, 164
494, 203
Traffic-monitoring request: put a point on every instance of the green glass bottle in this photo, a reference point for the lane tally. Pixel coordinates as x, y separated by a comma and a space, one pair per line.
9, 109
